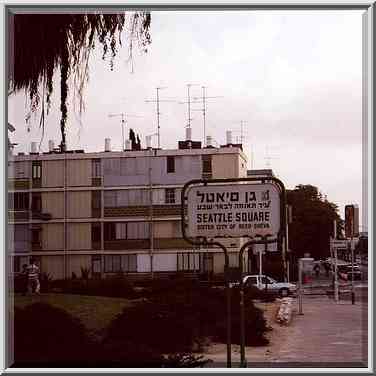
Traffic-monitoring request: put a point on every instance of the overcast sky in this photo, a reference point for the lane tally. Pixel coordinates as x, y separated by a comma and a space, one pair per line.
293, 77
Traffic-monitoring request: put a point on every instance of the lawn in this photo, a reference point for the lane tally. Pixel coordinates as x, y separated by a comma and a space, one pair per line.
95, 312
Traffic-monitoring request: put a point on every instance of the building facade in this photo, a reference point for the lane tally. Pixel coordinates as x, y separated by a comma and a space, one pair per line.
112, 211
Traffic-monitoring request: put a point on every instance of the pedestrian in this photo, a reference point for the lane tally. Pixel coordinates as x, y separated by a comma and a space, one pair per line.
327, 268
33, 277
316, 269
24, 279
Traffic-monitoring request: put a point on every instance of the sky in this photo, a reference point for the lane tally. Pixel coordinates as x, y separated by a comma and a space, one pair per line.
293, 77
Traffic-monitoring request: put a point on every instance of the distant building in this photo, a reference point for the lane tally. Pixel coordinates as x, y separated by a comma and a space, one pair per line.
112, 211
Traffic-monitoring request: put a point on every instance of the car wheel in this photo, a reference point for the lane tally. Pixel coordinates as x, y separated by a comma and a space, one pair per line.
283, 293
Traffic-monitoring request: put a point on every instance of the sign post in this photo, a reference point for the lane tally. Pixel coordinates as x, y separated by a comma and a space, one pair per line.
233, 208
351, 230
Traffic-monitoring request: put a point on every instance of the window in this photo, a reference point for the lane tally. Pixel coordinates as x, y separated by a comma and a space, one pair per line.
21, 201
96, 168
138, 230
96, 199
188, 261
120, 263
16, 264
96, 264
170, 196
121, 231
36, 203
96, 232
127, 197
126, 231
170, 164
207, 164
109, 231
36, 236
37, 170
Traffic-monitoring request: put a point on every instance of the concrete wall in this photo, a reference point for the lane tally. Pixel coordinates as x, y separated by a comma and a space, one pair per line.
52, 174
79, 173
53, 203
79, 236
53, 265
167, 229
75, 262
135, 171
79, 204
225, 166
53, 236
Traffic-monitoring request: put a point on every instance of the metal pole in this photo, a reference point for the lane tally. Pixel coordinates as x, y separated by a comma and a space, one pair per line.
300, 287
336, 292
151, 214
228, 302
260, 260
158, 125
352, 272
243, 363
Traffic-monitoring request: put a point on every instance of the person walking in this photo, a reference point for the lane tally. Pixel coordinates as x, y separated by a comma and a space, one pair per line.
316, 269
24, 279
33, 278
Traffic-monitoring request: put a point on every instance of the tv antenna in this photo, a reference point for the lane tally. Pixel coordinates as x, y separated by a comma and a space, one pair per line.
204, 98
124, 117
157, 100
268, 157
189, 101
240, 131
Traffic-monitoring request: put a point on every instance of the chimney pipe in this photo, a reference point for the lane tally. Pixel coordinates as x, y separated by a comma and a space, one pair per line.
228, 137
107, 144
148, 142
51, 146
33, 148
188, 134
128, 145
209, 141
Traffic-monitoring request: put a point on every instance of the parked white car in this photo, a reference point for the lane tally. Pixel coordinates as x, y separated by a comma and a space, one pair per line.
264, 282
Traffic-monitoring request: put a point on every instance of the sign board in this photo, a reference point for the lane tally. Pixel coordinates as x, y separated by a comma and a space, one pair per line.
237, 210
272, 247
351, 221
340, 243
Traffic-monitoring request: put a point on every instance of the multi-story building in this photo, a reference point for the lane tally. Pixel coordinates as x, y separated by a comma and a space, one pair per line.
112, 211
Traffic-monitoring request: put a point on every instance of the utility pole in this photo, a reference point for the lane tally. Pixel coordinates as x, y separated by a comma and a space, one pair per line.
124, 117
158, 100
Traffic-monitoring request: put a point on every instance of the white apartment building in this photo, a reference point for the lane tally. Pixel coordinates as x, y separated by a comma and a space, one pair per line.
112, 211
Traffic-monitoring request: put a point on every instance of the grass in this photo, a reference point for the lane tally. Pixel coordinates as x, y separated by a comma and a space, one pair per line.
95, 312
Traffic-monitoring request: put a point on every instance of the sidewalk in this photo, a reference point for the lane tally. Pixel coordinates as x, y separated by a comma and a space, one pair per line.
328, 334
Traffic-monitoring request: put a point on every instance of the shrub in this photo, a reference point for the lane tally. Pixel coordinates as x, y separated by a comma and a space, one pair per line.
177, 317
111, 287
46, 334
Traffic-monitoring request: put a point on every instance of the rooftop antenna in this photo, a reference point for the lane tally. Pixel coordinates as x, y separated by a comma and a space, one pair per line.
157, 100
124, 117
240, 131
189, 101
268, 158
204, 98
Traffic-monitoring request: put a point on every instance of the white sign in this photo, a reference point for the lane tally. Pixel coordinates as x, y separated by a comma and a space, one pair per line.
343, 243
237, 210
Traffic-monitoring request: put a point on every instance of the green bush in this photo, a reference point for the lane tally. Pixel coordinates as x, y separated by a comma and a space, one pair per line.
46, 334
115, 287
177, 317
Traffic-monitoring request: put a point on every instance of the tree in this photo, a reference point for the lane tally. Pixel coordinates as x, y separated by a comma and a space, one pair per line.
42, 44
312, 223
